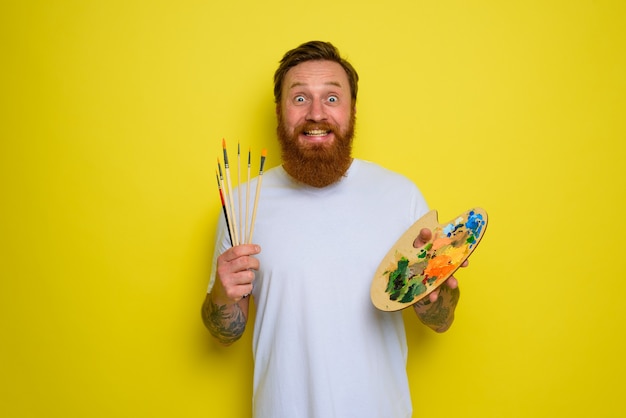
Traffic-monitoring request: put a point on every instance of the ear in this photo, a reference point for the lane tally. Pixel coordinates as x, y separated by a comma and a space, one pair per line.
277, 109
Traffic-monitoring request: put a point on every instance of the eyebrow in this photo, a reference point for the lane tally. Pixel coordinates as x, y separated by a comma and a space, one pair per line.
328, 83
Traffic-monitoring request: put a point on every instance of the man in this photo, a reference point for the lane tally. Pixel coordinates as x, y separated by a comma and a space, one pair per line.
324, 223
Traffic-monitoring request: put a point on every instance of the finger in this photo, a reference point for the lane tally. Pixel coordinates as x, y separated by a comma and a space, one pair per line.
235, 286
240, 251
245, 291
237, 272
250, 289
243, 263
465, 263
242, 278
237, 259
434, 295
452, 282
423, 238
240, 292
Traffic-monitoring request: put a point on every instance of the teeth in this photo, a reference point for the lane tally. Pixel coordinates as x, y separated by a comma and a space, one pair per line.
316, 132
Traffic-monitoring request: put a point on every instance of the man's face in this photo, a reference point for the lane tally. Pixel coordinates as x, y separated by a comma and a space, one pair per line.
316, 122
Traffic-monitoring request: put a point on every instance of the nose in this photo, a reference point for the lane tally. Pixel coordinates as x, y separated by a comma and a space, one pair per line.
316, 111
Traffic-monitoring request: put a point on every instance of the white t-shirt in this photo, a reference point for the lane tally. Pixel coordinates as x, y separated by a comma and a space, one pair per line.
321, 348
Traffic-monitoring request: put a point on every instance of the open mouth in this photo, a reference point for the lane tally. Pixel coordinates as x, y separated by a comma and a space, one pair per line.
316, 132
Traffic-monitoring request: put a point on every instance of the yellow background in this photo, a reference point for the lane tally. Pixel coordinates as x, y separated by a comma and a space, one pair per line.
112, 114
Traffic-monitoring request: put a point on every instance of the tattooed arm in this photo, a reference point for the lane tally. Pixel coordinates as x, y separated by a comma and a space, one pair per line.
225, 308
225, 322
437, 309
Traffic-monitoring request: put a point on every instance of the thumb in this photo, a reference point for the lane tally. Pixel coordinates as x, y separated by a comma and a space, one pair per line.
423, 238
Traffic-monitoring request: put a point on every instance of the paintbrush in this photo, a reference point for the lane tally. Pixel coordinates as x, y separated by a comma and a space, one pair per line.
239, 203
247, 198
229, 193
226, 206
219, 186
256, 196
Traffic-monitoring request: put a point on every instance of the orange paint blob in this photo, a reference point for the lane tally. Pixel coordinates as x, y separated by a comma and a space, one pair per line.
439, 266
441, 242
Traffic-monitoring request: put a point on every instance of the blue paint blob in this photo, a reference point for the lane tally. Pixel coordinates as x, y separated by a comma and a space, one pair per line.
475, 222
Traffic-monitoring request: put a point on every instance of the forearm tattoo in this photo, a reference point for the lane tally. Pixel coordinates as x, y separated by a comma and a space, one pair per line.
226, 323
438, 315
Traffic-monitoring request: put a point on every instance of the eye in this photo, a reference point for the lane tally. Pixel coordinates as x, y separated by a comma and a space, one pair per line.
299, 99
333, 99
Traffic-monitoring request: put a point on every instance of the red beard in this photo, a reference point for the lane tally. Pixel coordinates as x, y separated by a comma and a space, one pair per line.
317, 165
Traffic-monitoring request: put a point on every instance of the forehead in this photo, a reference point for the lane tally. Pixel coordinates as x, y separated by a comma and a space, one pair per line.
316, 74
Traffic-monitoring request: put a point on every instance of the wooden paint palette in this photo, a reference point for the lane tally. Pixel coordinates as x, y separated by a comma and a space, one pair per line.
407, 274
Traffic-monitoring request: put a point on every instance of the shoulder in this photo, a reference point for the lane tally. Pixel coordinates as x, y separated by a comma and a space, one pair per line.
376, 174
389, 186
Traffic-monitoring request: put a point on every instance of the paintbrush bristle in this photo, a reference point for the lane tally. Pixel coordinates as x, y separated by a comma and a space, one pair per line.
263, 155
